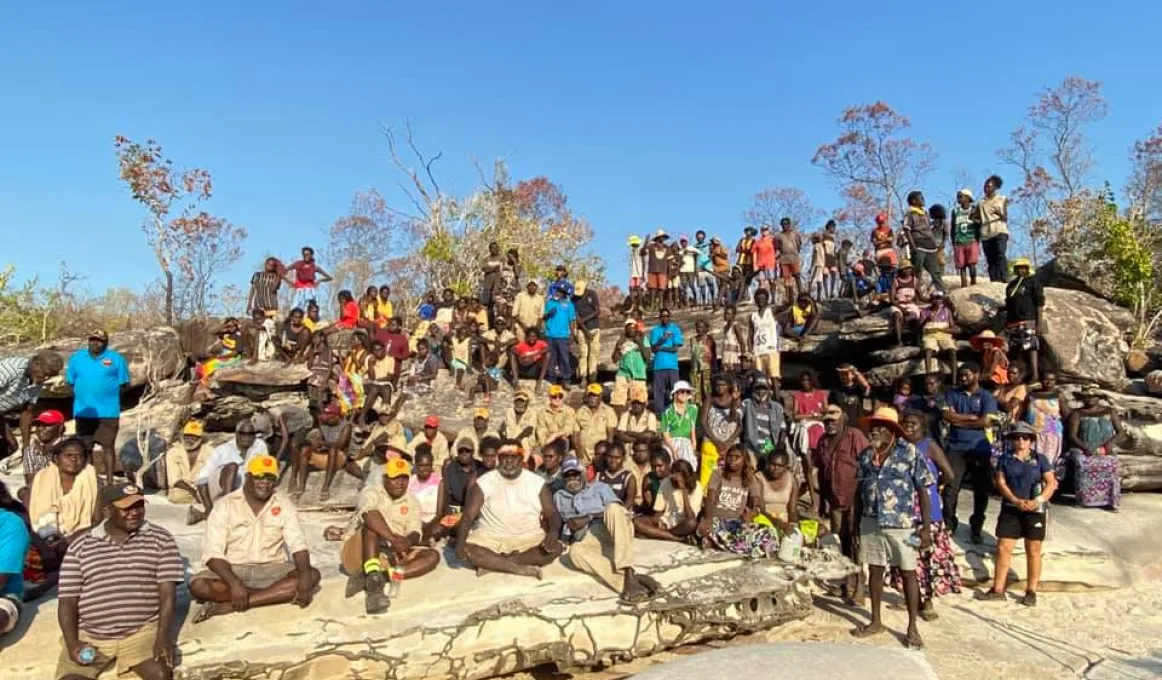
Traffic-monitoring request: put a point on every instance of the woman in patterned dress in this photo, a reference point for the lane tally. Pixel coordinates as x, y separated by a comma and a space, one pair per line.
1093, 428
1046, 411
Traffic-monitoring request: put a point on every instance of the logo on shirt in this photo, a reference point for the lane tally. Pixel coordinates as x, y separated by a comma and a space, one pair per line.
107, 362
276, 510
403, 510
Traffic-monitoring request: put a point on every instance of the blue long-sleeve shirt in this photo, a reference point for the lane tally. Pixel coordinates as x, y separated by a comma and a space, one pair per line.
590, 501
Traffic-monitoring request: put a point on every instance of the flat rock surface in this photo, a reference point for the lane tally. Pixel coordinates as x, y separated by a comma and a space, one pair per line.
796, 661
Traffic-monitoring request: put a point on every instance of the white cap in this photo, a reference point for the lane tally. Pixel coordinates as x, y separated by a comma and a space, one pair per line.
679, 386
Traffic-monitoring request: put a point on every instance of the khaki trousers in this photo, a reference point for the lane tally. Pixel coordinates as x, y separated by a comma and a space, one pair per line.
588, 351
607, 549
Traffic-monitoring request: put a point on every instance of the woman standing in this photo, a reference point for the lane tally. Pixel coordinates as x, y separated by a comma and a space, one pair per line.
733, 498
721, 422
1026, 482
936, 571
678, 423
993, 216
1093, 428
807, 407
1046, 411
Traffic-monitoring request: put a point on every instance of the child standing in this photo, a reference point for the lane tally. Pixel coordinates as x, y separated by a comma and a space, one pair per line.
702, 361
965, 237
818, 258
830, 261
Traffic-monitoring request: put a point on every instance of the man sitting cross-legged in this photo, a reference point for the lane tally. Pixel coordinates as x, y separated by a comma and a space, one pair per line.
247, 534
501, 529
384, 534
596, 524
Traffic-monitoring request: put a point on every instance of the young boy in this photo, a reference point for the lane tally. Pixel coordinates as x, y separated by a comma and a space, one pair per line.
937, 323
965, 237
702, 360
818, 266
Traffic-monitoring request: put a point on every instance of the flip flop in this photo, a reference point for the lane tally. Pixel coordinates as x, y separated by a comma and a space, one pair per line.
205, 612
868, 630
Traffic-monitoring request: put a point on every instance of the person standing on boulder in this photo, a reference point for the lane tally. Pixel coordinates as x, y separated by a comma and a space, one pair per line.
992, 212
968, 410
893, 481
560, 325
97, 375
264, 286
925, 239
764, 336
665, 340
306, 275
965, 237
1024, 302
588, 309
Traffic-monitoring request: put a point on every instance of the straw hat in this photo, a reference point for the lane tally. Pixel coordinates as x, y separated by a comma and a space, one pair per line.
886, 416
988, 337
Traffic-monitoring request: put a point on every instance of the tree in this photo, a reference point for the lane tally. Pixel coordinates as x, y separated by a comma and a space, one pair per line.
365, 245
187, 241
1145, 185
873, 162
774, 203
1055, 159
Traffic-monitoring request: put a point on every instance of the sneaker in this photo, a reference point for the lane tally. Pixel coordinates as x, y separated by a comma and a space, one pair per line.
991, 596
977, 537
1030, 600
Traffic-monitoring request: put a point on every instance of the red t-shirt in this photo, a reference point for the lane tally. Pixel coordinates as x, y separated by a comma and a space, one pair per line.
396, 345
349, 317
524, 351
304, 274
764, 253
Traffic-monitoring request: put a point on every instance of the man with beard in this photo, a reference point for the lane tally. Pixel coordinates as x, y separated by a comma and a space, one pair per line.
118, 593
244, 549
501, 528
835, 462
383, 538
893, 479
595, 524
184, 461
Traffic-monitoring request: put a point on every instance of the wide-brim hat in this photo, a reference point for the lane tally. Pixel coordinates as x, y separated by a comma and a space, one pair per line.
986, 337
1021, 429
884, 415
1021, 262
661, 234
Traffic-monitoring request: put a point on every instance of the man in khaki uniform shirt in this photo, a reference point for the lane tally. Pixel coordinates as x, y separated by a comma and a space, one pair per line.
433, 438
519, 419
556, 420
383, 536
248, 534
527, 310
596, 422
477, 431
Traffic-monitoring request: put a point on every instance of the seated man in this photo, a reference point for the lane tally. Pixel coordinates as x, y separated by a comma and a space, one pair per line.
387, 429
184, 462
422, 371
478, 430
118, 593
384, 534
530, 358
435, 440
557, 420
219, 476
594, 524
638, 424
247, 536
802, 316
501, 529
333, 453
47, 431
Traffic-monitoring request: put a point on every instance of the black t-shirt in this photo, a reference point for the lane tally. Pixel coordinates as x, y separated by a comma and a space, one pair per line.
585, 305
850, 399
456, 483
1022, 298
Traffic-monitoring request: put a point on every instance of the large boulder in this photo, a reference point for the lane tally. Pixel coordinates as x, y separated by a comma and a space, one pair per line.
1078, 273
153, 355
1084, 338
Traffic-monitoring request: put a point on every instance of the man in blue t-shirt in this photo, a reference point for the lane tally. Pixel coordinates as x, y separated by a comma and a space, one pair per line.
97, 375
969, 410
665, 339
560, 324
14, 541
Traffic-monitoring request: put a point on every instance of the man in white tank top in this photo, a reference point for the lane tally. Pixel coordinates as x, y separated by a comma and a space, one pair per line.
764, 336
501, 527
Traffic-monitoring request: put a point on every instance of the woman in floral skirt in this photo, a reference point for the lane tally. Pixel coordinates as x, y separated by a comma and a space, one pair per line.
1091, 462
1046, 412
936, 570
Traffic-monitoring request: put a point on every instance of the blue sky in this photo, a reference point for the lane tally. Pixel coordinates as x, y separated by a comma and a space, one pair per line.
647, 113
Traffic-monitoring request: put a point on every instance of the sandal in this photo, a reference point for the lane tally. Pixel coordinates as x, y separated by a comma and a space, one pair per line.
204, 612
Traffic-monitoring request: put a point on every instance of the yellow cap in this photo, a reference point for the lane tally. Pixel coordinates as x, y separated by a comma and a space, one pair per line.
595, 388
194, 429
1022, 262
481, 413
556, 391
397, 467
262, 465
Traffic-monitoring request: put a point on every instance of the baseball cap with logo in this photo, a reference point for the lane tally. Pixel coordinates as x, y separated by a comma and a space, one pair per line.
194, 429
50, 417
397, 467
571, 465
556, 391
262, 465
121, 496
595, 388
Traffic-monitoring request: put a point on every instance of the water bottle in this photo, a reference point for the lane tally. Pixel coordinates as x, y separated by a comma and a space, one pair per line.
790, 547
396, 582
86, 655
1037, 489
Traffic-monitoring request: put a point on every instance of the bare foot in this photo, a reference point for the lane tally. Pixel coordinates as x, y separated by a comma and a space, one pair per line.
535, 572
914, 641
208, 610
868, 630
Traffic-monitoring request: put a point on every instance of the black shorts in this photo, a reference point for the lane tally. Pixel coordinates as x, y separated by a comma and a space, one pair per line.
101, 431
1014, 523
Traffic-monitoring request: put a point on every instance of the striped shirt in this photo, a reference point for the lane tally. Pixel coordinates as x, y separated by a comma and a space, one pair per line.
16, 388
38, 454
117, 585
264, 290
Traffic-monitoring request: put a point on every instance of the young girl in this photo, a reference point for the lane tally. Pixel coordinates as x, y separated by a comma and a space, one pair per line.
676, 506
818, 267
616, 476
903, 394
460, 351
733, 498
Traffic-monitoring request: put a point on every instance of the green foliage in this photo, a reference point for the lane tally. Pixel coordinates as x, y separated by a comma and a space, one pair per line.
22, 317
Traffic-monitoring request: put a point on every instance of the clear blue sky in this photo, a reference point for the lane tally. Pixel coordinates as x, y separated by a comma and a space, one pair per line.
647, 113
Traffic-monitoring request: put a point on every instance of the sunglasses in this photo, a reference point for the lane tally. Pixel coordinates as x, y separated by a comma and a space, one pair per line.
268, 477
556, 396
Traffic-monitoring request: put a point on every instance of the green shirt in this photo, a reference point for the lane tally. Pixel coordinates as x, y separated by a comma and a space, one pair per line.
632, 364
964, 230
679, 425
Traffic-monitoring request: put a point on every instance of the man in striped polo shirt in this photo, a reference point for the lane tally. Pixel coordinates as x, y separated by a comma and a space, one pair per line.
117, 593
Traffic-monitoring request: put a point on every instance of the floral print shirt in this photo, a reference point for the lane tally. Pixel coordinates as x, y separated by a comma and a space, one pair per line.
888, 491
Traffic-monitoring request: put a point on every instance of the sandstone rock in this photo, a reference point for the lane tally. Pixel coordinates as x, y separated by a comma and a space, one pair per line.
795, 661
1154, 382
1077, 273
1084, 338
1137, 361
895, 354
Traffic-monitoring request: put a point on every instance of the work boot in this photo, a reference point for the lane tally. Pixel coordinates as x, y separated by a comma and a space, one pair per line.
376, 601
354, 585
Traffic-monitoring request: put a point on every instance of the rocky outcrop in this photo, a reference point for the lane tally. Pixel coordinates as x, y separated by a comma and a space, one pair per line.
1078, 273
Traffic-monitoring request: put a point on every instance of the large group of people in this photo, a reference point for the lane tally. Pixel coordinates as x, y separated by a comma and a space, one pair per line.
715, 453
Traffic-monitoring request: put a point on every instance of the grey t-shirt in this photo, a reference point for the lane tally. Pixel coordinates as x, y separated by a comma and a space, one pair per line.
923, 237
